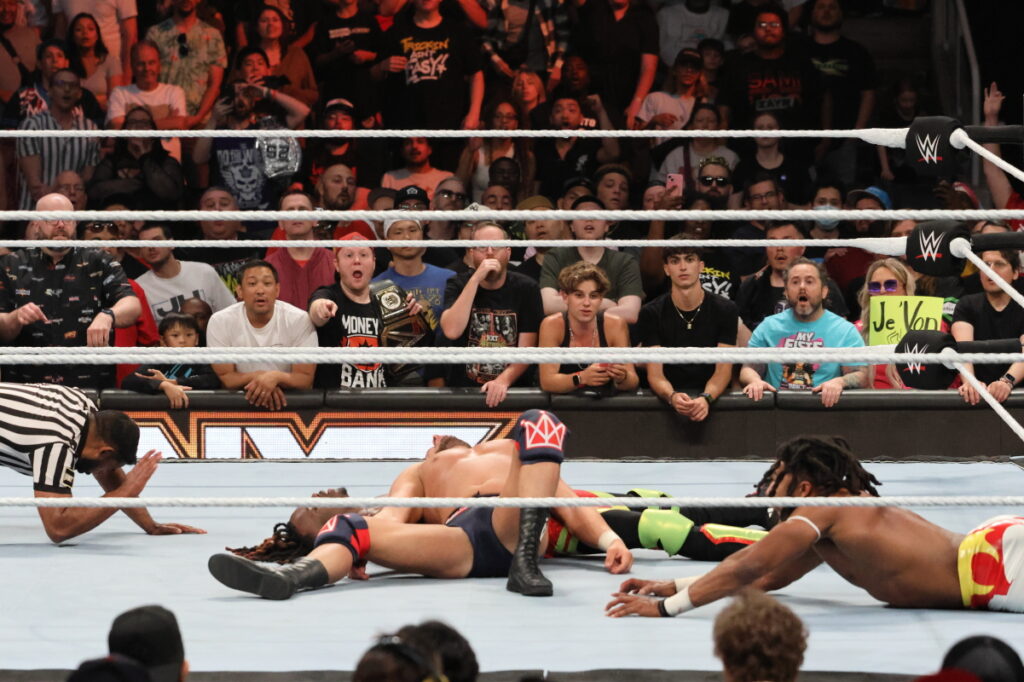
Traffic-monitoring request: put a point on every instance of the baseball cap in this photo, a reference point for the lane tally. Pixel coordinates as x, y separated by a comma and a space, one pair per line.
968, 191
412, 193
341, 104
587, 199
688, 55
112, 668
538, 201
399, 219
874, 192
577, 181
149, 635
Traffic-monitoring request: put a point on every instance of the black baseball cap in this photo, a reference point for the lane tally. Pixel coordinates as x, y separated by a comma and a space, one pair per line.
688, 55
411, 193
149, 635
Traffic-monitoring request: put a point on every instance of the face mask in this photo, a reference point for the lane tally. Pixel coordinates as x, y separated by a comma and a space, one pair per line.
827, 223
86, 466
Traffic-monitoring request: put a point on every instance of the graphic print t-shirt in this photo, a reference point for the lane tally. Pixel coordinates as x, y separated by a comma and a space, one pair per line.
785, 331
432, 92
356, 325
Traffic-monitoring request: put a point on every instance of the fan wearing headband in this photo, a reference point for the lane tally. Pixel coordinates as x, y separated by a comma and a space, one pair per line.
897, 556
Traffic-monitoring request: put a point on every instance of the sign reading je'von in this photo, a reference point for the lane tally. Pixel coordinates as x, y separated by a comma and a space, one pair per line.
893, 316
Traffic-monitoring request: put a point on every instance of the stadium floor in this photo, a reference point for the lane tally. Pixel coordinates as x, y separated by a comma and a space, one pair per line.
57, 602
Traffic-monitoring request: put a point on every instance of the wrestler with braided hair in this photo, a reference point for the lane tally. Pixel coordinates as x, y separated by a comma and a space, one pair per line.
897, 556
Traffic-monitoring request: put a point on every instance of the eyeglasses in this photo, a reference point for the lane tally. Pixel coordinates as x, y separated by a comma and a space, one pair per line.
449, 194
708, 180
95, 227
889, 286
764, 196
769, 24
183, 49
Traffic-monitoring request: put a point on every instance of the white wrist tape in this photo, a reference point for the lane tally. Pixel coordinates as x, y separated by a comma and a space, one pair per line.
607, 539
679, 602
683, 583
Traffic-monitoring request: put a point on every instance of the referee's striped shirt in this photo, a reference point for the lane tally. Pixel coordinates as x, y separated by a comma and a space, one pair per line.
56, 154
42, 427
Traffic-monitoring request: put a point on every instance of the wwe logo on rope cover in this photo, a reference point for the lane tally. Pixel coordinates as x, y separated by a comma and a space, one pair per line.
928, 148
930, 242
915, 367
544, 433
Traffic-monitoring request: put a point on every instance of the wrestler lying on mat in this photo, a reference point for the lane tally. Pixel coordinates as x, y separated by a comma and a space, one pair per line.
454, 469
473, 542
894, 554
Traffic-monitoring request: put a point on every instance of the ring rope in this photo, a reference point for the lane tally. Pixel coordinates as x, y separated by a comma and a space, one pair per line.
990, 399
888, 245
959, 137
515, 502
887, 137
58, 355
963, 250
505, 216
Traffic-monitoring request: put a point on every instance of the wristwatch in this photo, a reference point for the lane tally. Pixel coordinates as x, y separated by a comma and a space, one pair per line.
707, 397
576, 380
1009, 378
108, 311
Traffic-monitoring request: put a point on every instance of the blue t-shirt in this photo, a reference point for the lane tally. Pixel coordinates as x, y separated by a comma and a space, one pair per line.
428, 286
785, 331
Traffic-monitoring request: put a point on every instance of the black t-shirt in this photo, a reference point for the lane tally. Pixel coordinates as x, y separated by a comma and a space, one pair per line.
613, 49
356, 325
553, 170
660, 324
846, 69
718, 275
530, 267
788, 86
989, 324
341, 77
497, 319
433, 91
793, 175
758, 299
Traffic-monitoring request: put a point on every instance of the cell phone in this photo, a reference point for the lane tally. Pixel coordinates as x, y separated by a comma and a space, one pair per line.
674, 184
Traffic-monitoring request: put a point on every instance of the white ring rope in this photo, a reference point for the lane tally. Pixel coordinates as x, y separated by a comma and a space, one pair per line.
961, 248
887, 137
476, 216
988, 398
520, 502
960, 139
57, 355
893, 246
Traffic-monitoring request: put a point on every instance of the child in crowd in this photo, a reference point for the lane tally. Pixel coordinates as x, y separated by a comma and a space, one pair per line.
176, 331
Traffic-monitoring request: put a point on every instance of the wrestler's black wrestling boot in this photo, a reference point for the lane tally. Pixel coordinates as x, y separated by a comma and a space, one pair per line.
524, 574
269, 581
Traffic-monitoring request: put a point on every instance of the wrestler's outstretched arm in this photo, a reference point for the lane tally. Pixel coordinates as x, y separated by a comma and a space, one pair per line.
587, 524
785, 545
406, 484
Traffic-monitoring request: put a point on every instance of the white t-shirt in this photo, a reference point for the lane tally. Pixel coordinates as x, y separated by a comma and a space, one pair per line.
163, 101
196, 280
289, 326
680, 106
108, 14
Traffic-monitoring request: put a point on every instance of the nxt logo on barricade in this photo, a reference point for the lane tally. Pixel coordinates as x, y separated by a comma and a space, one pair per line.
311, 434
928, 147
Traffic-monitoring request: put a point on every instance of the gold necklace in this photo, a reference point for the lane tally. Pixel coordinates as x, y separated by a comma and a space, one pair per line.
688, 320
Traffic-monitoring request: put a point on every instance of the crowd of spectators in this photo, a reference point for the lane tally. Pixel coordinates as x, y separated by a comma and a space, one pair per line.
755, 636
473, 64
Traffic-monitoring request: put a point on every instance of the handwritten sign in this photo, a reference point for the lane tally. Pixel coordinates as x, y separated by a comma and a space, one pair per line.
893, 316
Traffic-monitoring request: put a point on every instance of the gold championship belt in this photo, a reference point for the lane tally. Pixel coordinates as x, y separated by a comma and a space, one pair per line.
398, 328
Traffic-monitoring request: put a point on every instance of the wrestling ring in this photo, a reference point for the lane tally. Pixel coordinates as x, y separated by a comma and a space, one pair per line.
58, 601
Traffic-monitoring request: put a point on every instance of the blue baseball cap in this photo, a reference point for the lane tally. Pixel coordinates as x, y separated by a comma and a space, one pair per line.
877, 193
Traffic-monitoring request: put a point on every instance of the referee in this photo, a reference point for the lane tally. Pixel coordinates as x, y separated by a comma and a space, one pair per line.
49, 432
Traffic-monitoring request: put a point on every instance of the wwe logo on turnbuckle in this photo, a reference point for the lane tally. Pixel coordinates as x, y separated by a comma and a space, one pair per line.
928, 147
915, 367
930, 243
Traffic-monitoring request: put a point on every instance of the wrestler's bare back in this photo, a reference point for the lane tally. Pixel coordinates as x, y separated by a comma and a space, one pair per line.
895, 555
464, 472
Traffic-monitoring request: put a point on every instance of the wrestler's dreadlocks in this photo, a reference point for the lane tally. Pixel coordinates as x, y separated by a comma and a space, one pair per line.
283, 547
826, 462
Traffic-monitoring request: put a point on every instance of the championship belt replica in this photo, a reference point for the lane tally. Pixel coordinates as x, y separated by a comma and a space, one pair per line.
399, 327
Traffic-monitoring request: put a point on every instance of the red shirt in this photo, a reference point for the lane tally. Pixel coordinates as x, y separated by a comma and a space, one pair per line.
299, 281
142, 333
1015, 201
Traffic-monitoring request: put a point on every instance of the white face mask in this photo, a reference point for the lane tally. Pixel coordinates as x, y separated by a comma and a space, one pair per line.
827, 223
